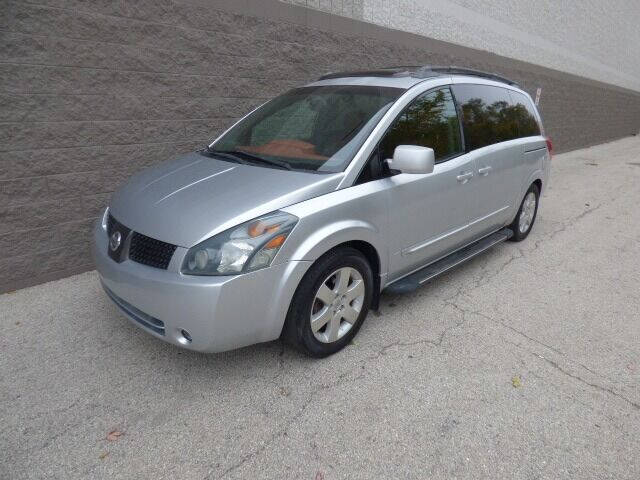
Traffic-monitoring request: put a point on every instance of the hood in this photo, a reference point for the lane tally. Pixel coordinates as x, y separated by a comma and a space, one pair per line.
187, 200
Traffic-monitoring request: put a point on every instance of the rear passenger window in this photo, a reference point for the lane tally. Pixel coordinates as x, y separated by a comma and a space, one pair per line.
429, 121
525, 114
488, 115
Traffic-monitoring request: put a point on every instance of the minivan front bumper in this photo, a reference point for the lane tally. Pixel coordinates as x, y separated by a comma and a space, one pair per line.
218, 313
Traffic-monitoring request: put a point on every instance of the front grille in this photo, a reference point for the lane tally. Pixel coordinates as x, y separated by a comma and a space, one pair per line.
149, 251
143, 249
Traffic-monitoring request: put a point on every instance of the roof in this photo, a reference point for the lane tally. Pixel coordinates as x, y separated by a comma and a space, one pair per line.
412, 74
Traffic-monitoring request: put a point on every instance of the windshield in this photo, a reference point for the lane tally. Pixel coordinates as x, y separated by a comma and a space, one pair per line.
310, 128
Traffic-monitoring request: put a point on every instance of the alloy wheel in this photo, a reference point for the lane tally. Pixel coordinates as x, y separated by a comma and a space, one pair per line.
337, 304
527, 213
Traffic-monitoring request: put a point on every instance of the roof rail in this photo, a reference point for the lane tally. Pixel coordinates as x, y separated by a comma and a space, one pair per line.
419, 71
453, 70
378, 72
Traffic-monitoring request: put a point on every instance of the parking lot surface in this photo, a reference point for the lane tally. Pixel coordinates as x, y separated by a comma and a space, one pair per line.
523, 363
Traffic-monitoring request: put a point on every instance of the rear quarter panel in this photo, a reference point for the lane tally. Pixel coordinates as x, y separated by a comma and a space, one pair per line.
534, 161
535, 153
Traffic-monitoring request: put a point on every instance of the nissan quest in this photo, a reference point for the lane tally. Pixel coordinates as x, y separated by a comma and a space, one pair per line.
292, 222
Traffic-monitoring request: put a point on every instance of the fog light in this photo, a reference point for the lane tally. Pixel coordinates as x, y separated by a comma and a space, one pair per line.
185, 337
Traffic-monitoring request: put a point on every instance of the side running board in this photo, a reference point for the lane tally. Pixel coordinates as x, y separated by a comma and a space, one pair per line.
414, 280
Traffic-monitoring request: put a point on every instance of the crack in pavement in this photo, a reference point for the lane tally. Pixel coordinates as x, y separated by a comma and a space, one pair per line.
425, 341
556, 364
294, 418
563, 226
601, 388
571, 395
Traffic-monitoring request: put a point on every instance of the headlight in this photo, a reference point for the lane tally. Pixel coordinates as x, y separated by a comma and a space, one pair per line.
245, 248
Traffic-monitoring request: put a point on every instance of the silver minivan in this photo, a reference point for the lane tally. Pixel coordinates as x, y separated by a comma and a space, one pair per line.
295, 219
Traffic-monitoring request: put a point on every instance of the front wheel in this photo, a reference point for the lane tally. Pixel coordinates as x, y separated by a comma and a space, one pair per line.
523, 222
330, 303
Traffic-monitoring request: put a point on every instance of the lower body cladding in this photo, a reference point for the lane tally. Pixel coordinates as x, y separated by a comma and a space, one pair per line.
202, 313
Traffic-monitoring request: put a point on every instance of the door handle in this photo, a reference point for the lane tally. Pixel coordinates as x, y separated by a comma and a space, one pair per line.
464, 177
484, 170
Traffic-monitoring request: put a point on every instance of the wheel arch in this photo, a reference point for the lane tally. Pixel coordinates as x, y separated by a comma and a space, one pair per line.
357, 234
538, 182
535, 177
373, 258
310, 244
370, 254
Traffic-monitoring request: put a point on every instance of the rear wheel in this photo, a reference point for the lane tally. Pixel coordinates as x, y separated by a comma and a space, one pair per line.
330, 303
526, 216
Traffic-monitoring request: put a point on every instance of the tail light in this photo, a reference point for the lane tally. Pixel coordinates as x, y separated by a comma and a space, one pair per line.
550, 147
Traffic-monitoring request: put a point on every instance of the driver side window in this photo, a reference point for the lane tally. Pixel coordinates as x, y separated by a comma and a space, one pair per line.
429, 121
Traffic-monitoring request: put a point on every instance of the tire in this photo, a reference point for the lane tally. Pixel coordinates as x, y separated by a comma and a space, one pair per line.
339, 317
523, 223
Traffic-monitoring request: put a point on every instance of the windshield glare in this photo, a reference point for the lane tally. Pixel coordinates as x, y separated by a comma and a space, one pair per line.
311, 128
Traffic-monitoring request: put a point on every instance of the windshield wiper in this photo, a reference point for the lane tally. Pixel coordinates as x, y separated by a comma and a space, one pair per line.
225, 155
255, 158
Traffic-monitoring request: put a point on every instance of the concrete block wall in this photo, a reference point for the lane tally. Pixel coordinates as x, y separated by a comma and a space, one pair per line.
92, 91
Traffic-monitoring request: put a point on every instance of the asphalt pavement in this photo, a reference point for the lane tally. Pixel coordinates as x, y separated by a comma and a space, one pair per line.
524, 363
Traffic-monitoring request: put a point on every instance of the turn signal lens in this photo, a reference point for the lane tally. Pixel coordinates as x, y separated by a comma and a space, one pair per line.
260, 228
275, 242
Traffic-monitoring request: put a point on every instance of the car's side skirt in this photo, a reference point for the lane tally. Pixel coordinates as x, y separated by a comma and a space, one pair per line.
412, 281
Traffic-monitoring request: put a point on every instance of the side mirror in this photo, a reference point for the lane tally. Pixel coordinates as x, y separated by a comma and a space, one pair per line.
413, 159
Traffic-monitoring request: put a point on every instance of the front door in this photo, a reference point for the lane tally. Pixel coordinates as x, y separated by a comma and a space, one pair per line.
428, 213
